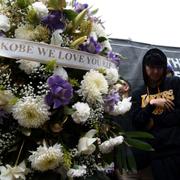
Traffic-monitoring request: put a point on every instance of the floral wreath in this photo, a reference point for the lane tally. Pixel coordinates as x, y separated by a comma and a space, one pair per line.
55, 121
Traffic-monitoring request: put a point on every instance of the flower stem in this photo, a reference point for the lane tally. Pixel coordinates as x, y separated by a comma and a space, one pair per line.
17, 160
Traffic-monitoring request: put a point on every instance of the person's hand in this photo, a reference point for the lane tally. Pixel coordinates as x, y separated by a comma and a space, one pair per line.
164, 103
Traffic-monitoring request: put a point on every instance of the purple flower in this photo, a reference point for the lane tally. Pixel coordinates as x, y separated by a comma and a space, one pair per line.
55, 20
79, 7
2, 34
60, 93
114, 57
91, 46
110, 100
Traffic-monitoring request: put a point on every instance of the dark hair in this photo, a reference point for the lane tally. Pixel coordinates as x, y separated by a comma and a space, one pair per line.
156, 58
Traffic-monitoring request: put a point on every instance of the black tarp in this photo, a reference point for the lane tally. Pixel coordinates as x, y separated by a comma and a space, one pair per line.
130, 69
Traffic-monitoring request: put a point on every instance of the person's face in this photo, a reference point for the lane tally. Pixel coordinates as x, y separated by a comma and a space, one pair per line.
154, 72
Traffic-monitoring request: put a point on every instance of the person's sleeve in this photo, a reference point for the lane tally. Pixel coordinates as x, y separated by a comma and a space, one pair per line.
172, 118
140, 116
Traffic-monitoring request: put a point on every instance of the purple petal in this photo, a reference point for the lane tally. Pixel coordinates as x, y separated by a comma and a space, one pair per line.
49, 99
57, 103
55, 20
56, 90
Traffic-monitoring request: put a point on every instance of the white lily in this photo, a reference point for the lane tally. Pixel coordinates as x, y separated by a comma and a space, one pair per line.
12, 173
56, 38
85, 145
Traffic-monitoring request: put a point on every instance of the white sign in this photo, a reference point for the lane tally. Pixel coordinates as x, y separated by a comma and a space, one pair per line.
22, 49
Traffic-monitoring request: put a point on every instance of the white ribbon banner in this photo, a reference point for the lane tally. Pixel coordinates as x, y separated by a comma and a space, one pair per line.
22, 49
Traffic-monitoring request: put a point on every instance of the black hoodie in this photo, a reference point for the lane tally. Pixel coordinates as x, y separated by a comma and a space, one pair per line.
164, 125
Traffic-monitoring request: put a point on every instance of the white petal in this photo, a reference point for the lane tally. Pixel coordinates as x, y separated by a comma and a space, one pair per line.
90, 141
82, 145
90, 133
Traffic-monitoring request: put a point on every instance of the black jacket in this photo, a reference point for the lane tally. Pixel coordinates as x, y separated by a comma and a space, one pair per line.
164, 125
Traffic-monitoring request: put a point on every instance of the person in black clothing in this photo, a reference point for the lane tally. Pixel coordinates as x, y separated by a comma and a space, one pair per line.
156, 109
170, 71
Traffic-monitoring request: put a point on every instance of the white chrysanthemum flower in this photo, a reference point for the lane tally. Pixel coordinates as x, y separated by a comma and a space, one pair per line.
108, 146
28, 66
13, 173
25, 32
93, 86
4, 23
122, 107
78, 172
31, 112
82, 112
40, 9
85, 145
112, 75
99, 30
60, 71
56, 38
46, 158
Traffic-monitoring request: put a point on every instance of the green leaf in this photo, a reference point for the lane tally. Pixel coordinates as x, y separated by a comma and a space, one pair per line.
94, 11
2, 87
13, 101
70, 14
23, 3
139, 144
51, 65
68, 110
57, 4
74, 82
101, 39
124, 160
32, 17
139, 134
131, 160
77, 42
118, 157
78, 19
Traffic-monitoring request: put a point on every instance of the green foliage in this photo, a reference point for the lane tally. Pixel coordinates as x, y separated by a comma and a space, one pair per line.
51, 65
124, 158
2, 87
77, 42
57, 4
102, 39
32, 17
67, 159
139, 144
139, 134
78, 19
68, 110
74, 82
95, 11
13, 100
70, 14
23, 3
